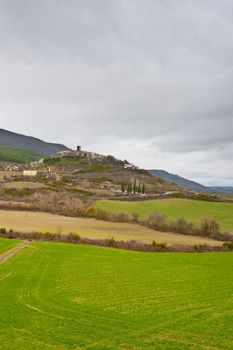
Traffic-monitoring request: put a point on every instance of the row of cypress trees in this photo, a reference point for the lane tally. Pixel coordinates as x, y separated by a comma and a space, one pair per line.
132, 188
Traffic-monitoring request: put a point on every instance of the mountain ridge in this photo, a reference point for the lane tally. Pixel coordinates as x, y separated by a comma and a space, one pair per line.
29, 143
189, 184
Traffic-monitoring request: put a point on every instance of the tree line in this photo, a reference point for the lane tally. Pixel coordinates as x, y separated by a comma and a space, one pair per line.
133, 187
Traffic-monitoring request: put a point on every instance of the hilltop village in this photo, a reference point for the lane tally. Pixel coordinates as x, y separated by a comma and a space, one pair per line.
77, 178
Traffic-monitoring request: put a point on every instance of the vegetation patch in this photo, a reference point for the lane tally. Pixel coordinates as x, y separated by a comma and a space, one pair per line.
17, 155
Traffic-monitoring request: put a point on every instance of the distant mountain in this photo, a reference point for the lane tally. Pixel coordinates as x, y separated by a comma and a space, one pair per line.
221, 189
178, 180
192, 185
17, 141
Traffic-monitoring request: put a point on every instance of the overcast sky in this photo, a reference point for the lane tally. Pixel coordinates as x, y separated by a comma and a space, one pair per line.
150, 81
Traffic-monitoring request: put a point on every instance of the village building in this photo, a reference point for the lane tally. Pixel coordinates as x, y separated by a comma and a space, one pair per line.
29, 173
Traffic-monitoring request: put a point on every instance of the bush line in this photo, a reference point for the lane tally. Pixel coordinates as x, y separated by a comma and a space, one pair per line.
74, 238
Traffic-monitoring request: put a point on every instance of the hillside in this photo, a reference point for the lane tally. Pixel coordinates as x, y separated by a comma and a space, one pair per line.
104, 174
71, 181
17, 155
192, 185
28, 143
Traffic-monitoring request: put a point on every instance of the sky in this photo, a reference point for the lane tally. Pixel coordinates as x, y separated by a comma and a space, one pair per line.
149, 81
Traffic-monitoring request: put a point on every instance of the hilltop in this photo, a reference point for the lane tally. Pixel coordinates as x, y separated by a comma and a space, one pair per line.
11, 139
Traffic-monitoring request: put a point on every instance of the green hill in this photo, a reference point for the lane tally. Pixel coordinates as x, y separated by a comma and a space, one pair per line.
17, 155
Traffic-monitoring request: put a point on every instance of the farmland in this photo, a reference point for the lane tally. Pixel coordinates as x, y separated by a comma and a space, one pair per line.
29, 221
192, 210
7, 244
23, 184
57, 296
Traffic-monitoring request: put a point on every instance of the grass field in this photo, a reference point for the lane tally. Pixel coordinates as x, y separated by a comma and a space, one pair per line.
7, 244
67, 297
192, 210
91, 228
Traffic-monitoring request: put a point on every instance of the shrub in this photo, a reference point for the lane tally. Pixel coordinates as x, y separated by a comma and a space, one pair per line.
102, 215
159, 245
157, 221
135, 217
121, 217
209, 227
228, 245
111, 242
182, 226
200, 247
3, 230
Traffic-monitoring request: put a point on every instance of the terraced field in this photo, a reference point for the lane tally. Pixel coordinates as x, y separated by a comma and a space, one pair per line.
192, 210
67, 297
28, 221
22, 184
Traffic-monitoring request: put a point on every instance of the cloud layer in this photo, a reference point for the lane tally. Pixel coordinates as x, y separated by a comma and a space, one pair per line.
149, 81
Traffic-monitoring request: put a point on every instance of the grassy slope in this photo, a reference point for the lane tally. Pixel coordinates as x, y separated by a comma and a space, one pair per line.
28, 222
192, 210
7, 244
17, 155
75, 297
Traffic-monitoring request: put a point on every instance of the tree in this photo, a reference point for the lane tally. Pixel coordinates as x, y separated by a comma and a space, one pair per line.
139, 187
130, 188
134, 186
143, 188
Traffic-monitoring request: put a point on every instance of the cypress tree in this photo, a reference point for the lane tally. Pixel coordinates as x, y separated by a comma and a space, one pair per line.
143, 188
130, 187
134, 186
139, 187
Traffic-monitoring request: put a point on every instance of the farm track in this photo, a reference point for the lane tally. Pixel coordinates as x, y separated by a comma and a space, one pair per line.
8, 254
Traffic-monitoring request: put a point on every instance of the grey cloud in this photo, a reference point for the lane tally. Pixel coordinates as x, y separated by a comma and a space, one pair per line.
150, 81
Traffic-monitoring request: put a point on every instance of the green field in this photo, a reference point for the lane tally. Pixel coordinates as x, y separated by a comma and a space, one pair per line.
18, 155
7, 244
192, 210
57, 296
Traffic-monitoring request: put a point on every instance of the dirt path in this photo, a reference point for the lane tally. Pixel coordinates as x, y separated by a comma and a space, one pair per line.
7, 255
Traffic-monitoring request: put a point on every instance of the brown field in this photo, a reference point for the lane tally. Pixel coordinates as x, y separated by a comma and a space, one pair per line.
91, 228
10, 173
23, 184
